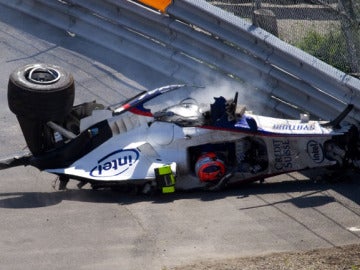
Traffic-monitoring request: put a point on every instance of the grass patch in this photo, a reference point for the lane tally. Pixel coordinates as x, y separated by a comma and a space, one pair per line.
329, 47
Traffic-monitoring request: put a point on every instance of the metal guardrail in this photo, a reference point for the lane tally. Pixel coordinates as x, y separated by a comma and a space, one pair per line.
195, 42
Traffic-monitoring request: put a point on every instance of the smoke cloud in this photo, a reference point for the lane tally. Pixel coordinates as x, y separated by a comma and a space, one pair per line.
251, 97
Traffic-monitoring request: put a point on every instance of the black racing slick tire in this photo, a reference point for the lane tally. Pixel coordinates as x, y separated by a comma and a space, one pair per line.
37, 94
41, 92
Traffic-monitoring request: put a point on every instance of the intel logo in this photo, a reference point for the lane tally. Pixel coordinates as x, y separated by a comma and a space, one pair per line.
315, 151
115, 163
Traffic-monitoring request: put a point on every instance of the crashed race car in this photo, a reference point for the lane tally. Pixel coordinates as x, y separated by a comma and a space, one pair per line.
184, 146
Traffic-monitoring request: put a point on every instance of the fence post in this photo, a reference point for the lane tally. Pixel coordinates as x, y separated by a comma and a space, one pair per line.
265, 19
350, 27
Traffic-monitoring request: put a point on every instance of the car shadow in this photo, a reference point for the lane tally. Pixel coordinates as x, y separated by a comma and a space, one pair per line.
311, 194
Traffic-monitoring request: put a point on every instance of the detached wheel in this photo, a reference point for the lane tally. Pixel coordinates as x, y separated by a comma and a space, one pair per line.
37, 94
41, 92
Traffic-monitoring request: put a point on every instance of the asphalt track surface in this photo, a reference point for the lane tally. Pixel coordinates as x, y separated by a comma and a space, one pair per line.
42, 228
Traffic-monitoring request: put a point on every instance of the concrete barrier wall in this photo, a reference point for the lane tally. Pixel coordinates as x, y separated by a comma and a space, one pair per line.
197, 43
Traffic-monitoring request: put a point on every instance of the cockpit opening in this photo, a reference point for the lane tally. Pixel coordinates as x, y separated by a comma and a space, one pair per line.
189, 112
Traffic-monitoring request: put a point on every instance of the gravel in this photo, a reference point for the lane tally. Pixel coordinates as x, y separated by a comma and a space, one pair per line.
345, 257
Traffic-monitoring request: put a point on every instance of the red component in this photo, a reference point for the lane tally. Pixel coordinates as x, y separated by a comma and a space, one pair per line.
209, 168
141, 112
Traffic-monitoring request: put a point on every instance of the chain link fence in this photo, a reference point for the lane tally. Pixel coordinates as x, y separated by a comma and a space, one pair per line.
327, 29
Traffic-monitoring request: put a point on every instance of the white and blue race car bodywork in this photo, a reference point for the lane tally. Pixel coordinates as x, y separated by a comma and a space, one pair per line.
125, 144
140, 142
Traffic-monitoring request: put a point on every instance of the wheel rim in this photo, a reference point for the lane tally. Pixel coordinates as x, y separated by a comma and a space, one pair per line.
40, 75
